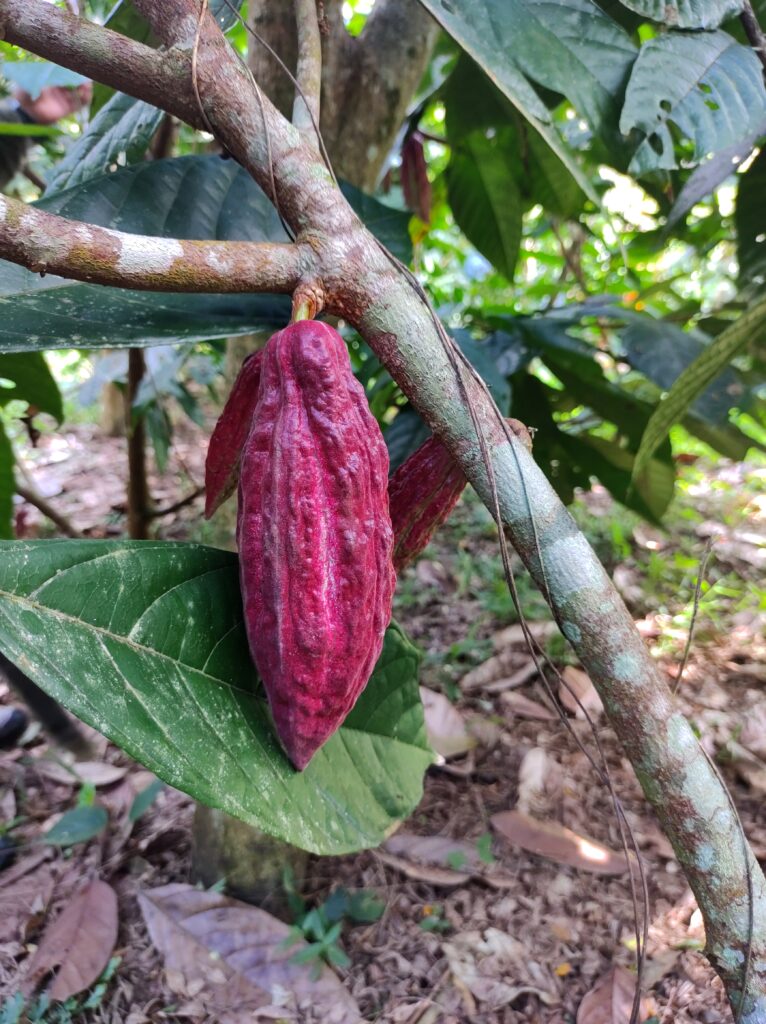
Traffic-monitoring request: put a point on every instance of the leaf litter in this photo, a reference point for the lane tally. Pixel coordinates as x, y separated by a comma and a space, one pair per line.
536, 949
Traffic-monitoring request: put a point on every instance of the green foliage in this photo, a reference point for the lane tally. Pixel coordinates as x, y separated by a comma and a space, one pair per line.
156, 658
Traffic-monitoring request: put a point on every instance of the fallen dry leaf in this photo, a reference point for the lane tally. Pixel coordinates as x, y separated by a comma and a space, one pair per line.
78, 943
610, 1001
522, 706
446, 730
97, 773
578, 694
554, 842
25, 891
238, 953
534, 770
496, 969
515, 634
512, 682
442, 861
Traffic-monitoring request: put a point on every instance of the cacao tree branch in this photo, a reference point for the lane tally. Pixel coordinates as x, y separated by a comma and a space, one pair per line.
308, 71
755, 34
46, 243
365, 286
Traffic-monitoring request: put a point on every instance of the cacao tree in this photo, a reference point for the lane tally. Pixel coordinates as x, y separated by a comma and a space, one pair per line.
146, 640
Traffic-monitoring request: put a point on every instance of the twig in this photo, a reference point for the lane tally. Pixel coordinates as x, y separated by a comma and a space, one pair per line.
138, 485
157, 512
697, 593
755, 34
31, 495
308, 71
36, 180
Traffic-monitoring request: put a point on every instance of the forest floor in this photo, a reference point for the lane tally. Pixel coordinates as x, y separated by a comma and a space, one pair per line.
454, 919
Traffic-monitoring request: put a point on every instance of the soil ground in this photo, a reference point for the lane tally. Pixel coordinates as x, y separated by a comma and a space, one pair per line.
446, 950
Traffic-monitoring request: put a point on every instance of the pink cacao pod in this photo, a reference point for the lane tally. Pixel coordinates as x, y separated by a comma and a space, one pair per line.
423, 492
230, 433
314, 536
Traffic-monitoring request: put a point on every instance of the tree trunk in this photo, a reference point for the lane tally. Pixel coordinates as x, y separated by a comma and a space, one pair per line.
138, 487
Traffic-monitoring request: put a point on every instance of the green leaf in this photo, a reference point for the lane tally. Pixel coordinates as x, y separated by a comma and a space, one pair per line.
202, 197
144, 800
706, 14
35, 75
750, 219
484, 196
7, 485
145, 642
696, 378
31, 130
710, 174
704, 83
569, 46
77, 826
119, 133
33, 383
390, 226
473, 103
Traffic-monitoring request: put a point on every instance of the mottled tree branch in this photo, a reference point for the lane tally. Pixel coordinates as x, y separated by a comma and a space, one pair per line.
360, 282
48, 244
308, 70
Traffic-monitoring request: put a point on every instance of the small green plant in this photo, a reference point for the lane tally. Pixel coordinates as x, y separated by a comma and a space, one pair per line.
321, 926
432, 920
42, 1010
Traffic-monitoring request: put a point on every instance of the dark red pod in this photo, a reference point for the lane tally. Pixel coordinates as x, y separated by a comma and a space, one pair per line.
314, 536
230, 433
422, 493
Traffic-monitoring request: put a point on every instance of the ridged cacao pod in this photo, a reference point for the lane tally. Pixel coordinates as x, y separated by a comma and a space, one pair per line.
314, 536
230, 433
423, 492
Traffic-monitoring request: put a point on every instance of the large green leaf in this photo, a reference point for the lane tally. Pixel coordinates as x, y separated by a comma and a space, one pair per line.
119, 133
705, 84
484, 196
473, 102
7, 484
705, 14
32, 382
145, 642
202, 197
569, 46
696, 378
750, 218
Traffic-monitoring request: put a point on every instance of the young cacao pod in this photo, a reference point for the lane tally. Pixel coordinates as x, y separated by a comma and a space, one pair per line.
423, 492
314, 536
230, 433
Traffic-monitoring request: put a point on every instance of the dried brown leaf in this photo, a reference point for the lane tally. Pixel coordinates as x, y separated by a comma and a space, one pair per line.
239, 953
446, 730
514, 634
523, 707
25, 891
579, 693
610, 1001
97, 773
554, 842
78, 943
442, 861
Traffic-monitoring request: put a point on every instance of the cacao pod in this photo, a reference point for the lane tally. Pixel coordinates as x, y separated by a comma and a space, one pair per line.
230, 433
423, 492
314, 536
